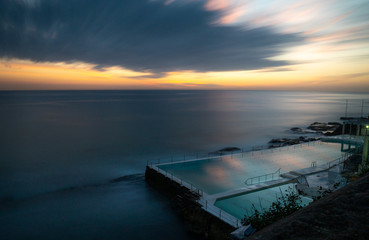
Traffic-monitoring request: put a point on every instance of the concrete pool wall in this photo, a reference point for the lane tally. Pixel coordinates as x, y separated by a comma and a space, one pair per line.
211, 177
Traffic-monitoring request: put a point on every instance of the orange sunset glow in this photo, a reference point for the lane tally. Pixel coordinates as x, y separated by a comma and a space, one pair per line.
308, 45
27, 75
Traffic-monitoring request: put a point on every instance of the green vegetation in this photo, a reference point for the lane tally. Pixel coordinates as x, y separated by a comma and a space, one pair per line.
285, 205
364, 166
363, 169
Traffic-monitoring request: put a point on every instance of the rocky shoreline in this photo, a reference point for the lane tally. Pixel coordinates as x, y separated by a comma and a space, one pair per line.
332, 217
316, 128
315, 132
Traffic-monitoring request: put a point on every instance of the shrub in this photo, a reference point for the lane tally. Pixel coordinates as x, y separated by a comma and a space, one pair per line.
285, 205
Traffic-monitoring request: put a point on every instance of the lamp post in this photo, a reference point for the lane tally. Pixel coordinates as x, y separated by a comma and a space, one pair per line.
364, 162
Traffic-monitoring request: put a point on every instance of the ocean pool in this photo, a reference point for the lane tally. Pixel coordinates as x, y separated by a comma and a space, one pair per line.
225, 173
245, 205
219, 174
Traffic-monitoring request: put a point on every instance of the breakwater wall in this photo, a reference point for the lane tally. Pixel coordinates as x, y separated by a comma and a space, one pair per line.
199, 223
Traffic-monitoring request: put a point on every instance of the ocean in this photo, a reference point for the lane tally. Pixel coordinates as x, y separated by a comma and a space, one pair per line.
72, 162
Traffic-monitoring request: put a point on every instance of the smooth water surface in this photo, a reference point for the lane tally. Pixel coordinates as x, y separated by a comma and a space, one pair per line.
245, 205
230, 172
60, 149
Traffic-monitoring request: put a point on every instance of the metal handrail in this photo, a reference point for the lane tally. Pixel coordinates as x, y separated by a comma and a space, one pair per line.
339, 160
261, 177
206, 156
216, 211
208, 207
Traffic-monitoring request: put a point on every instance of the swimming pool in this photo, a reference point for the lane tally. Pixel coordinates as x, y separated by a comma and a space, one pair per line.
219, 174
224, 173
244, 205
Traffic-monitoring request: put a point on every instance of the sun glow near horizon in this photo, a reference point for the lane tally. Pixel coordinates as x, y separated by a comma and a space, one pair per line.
28, 75
284, 45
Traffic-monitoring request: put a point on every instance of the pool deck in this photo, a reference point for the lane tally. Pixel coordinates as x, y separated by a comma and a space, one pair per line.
347, 139
289, 177
251, 188
207, 201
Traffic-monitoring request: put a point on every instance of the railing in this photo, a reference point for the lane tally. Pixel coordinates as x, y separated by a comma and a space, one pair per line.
226, 217
263, 178
180, 181
188, 157
339, 160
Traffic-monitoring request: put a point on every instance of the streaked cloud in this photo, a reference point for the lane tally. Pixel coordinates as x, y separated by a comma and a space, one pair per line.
214, 5
145, 44
141, 35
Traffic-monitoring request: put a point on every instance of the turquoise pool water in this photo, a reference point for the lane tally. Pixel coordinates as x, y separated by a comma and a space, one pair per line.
229, 172
216, 175
245, 204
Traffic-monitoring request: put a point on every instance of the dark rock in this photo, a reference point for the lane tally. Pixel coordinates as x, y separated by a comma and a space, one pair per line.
334, 123
278, 140
229, 149
300, 130
325, 128
275, 145
282, 142
337, 131
313, 139
317, 126
226, 150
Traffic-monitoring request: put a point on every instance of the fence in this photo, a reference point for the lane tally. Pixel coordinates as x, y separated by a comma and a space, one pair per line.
214, 210
264, 178
241, 153
170, 175
209, 207
226, 217
339, 160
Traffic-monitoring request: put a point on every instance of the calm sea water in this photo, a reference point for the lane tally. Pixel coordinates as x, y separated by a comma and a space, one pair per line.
60, 149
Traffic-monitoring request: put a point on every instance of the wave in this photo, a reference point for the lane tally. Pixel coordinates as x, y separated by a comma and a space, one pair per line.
8, 201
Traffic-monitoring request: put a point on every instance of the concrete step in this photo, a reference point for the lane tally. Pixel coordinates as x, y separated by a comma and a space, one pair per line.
248, 189
290, 175
308, 171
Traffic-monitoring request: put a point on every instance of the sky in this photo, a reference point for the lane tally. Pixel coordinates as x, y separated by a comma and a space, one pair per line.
309, 45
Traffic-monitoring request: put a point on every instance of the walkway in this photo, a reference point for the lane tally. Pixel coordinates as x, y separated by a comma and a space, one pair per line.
347, 139
289, 177
251, 188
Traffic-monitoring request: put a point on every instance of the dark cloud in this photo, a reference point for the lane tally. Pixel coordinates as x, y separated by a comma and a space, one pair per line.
142, 35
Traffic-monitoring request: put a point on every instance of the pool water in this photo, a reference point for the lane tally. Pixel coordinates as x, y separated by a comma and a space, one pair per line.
246, 204
224, 173
215, 175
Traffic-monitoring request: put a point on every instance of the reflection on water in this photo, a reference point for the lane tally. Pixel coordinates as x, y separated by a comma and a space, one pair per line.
245, 205
234, 163
52, 140
230, 172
